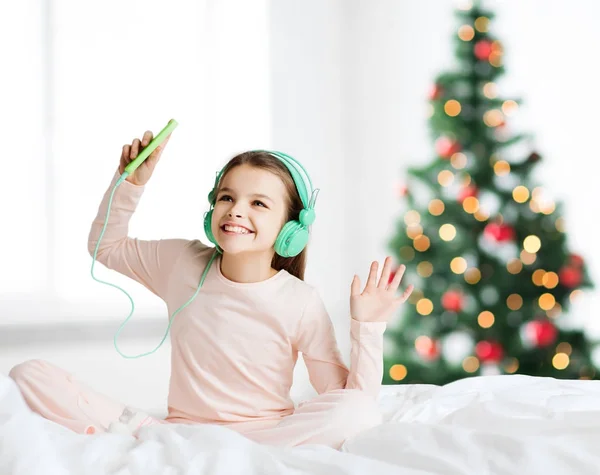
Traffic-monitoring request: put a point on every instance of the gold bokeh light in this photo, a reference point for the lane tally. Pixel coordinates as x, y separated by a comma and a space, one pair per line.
493, 118
481, 24
560, 360
512, 365
528, 258
425, 269
538, 277
398, 372
466, 33
421, 243
485, 319
550, 280
445, 177
490, 90
514, 301
501, 168
564, 347
546, 301
471, 204
424, 306
509, 107
436, 207
458, 265
414, 230
514, 266
458, 160
520, 194
532, 244
452, 107
470, 364
447, 232
412, 217
472, 275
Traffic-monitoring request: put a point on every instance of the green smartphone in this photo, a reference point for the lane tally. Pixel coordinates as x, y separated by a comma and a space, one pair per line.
155, 142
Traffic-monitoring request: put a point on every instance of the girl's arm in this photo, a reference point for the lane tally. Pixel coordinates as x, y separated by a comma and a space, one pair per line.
147, 262
366, 356
317, 343
326, 369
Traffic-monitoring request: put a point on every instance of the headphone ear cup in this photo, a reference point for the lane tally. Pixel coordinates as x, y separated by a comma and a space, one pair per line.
292, 239
208, 227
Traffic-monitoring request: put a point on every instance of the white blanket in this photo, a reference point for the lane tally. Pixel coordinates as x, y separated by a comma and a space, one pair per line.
486, 425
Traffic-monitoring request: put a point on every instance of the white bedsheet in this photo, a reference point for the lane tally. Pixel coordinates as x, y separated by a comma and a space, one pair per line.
486, 425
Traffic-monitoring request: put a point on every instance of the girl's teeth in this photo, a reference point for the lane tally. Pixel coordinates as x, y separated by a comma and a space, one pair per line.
236, 229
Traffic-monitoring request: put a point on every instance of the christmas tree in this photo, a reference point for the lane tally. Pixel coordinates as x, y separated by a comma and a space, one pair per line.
484, 246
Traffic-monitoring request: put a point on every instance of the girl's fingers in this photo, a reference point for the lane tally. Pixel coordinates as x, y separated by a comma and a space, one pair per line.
385, 274
146, 138
126, 152
404, 297
355, 287
397, 278
135, 148
372, 279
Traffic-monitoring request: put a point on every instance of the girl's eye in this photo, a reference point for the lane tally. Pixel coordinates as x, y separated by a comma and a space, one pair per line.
260, 203
224, 198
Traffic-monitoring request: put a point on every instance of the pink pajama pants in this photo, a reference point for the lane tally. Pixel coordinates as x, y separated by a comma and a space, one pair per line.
328, 419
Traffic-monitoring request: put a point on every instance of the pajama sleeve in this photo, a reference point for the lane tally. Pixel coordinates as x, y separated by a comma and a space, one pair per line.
317, 342
366, 356
147, 262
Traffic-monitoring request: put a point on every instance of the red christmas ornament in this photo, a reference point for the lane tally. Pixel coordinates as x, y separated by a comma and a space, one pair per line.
489, 351
482, 50
467, 192
435, 92
427, 348
570, 277
541, 332
576, 260
499, 232
453, 301
446, 147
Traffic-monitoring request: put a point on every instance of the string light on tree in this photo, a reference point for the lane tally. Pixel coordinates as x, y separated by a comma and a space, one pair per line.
466, 33
447, 232
452, 107
481, 24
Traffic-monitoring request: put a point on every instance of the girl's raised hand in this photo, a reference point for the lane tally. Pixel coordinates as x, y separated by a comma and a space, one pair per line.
378, 301
143, 173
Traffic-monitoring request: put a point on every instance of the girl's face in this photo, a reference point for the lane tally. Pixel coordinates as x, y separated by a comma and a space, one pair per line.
250, 210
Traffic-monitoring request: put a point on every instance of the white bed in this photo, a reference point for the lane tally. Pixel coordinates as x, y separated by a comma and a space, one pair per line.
485, 425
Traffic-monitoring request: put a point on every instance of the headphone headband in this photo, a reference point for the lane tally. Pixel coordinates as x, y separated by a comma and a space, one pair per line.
308, 195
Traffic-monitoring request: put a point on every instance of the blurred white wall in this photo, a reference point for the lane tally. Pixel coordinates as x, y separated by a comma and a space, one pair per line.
340, 84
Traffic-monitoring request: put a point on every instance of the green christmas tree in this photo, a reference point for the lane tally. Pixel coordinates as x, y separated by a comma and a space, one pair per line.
484, 246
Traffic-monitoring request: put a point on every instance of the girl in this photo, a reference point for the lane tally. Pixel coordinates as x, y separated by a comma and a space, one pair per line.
235, 346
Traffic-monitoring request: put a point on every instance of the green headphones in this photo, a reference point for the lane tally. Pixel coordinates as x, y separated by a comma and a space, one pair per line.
293, 237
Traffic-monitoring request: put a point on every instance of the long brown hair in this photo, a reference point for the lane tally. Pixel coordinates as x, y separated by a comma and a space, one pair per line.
294, 265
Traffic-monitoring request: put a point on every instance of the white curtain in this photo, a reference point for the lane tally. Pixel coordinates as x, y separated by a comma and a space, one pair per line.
84, 78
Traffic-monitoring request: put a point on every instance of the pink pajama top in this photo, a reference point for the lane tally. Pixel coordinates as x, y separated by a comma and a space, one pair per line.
234, 348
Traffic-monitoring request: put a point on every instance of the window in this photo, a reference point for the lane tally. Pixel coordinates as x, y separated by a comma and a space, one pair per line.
88, 78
